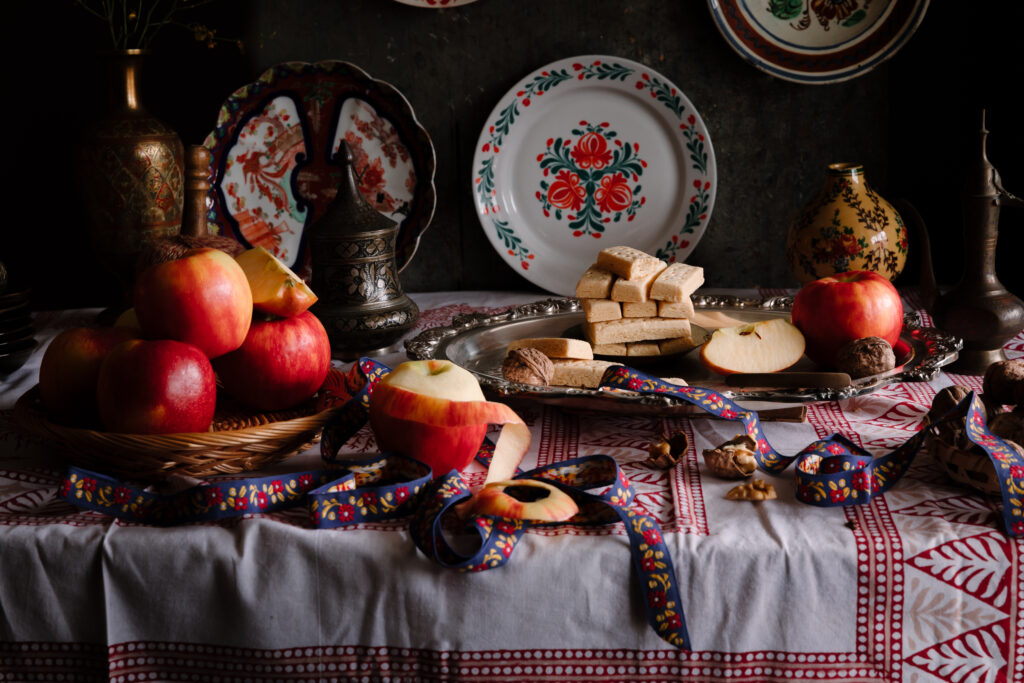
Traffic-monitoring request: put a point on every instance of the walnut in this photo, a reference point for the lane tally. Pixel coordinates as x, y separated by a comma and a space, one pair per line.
1004, 382
527, 366
865, 356
666, 453
755, 489
1009, 426
733, 459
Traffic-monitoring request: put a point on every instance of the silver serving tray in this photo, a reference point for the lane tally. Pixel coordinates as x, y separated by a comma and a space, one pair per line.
478, 342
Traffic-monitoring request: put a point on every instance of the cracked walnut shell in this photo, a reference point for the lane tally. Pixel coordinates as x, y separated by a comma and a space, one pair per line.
666, 453
733, 459
755, 489
528, 366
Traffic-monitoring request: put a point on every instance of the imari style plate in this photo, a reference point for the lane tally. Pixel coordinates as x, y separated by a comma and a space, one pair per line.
591, 152
273, 171
817, 41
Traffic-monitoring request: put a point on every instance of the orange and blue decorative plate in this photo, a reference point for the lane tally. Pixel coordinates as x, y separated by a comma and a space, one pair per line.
591, 152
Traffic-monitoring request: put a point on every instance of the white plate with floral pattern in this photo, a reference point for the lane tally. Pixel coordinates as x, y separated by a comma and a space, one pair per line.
811, 41
591, 152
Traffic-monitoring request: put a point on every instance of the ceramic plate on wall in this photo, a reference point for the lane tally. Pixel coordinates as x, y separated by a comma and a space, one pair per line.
272, 172
436, 4
586, 153
813, 41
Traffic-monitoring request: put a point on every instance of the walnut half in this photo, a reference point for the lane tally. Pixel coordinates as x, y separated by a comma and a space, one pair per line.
755, 489
733, 459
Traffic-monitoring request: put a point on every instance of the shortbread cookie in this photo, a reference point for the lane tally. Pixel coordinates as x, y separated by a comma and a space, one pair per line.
579, 373
638, 288
637, 309
636, 329
595, 283
676, 309
677, 282
610, 350
599, 310
556, 347
627, 262
677, 345
643, 348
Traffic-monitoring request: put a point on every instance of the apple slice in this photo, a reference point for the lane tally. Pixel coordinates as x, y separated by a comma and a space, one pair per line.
435, 411
762, 346
275, 288
544, 502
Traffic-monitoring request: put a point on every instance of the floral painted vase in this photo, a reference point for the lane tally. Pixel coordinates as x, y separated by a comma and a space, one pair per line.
846, 226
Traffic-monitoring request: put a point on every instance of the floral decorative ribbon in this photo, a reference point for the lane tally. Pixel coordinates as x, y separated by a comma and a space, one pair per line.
391, 486
835, 471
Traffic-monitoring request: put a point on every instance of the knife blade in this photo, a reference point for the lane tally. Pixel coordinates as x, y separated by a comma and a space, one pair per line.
789, 380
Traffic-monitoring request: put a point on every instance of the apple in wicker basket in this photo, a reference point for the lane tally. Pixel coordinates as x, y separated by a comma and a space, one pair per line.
156, 386
281, 363
835, 310
70, 368
202, 298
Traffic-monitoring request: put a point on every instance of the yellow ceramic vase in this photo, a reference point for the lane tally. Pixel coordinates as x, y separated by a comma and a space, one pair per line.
846, 226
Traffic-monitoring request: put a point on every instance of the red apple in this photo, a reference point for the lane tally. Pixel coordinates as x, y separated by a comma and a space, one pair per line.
203, 298
70, 368
435, 411
156, 386
281, 363
834, 310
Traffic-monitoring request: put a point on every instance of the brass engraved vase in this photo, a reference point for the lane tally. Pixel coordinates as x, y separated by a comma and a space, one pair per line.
131, 168
355, 275
846, 226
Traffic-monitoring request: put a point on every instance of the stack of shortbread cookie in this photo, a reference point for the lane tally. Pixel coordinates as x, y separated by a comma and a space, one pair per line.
636, 304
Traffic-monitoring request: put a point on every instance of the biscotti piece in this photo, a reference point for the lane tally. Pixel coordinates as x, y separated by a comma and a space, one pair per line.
627, 262
610, 350
595, 283
643, 348
637, 309
636, 329
676, 309
599, 310
638, 288
555, 347
677, 282
579, 373
677, 345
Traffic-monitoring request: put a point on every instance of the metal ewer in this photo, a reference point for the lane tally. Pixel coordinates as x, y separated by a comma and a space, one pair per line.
355, 274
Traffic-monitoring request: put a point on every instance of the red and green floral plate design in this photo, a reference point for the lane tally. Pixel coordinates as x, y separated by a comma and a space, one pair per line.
817, 41
591, 152
273, 172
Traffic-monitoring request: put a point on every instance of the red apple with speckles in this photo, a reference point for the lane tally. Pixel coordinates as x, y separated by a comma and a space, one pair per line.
835, 310
156, 386
203, 299
281, 363
69, 371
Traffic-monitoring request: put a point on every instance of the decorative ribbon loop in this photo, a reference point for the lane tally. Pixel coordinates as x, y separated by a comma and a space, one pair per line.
835, 471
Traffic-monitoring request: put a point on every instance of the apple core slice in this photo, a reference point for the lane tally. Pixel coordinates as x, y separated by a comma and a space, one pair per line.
534, 500
275, 287
762, 346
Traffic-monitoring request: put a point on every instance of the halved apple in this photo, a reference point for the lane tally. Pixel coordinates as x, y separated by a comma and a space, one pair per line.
435, 411
275, 288
534, 500
762, 346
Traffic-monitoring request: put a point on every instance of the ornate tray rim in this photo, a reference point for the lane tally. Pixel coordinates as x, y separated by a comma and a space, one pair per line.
933, 350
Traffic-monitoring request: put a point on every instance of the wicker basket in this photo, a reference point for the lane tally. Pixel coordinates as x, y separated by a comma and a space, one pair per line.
239, 440
966, 466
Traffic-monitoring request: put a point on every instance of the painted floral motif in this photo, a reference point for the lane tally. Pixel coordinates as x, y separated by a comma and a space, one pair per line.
596, 179
577, 182
846, 13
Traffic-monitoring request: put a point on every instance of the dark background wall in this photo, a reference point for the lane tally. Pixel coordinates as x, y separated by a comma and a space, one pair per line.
911, 122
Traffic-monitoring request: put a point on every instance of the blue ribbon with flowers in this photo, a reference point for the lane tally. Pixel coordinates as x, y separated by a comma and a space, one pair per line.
835, 471
392, 486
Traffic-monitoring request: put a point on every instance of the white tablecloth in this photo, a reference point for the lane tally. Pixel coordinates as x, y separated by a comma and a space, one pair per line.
920, 585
